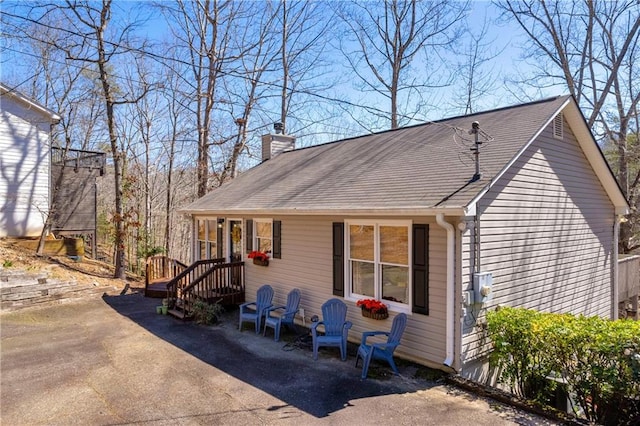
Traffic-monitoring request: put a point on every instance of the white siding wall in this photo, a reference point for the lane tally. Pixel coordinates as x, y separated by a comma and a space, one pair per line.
24, 170
546, 235
307, 264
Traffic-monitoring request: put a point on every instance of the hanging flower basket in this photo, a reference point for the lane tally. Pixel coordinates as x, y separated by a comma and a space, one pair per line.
259, 258
260, 262
379, 315
373, 309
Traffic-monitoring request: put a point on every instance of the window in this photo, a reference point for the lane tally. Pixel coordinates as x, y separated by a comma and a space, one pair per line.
378, 261
263, 235
207, 247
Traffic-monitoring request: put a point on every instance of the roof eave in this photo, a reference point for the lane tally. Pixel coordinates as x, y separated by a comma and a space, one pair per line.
589, 146
595, 157
382, 212
31, 104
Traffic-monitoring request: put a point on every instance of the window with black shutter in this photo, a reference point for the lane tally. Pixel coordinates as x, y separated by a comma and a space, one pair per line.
338, 259
420, 270
249, 235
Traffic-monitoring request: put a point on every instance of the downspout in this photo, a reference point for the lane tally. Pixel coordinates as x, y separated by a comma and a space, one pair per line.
616, 290
450, 300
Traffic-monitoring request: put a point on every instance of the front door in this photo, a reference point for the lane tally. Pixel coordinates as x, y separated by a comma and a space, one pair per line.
235, 240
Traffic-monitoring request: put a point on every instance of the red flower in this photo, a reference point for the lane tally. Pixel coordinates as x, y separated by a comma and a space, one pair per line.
258, 255
375, 306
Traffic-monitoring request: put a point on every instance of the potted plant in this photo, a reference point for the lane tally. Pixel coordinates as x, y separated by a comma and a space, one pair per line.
372, 308
259, 258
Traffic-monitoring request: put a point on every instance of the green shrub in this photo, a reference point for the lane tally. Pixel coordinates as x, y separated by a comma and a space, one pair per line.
518, 351
206, 313
599, 359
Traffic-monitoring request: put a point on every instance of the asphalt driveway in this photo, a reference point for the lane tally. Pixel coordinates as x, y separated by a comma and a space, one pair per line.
113, 360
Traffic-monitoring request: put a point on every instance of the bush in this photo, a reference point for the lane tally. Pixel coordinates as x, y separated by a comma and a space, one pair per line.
599, 359
205, 313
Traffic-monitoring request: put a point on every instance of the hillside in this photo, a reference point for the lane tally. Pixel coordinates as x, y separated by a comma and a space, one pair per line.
30, 280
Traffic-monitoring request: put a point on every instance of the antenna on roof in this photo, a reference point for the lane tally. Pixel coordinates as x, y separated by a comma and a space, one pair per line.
475, 129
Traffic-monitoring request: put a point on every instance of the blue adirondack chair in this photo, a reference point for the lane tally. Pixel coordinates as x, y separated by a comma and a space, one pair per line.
336, 328
286, 317
255, 311
381, 351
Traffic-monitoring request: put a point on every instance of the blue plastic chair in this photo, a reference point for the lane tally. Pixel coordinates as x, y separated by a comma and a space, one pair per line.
381, 351
336, 328
286, 317
255, 311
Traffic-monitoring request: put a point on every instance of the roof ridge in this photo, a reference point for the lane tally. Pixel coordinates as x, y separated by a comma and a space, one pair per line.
436, 122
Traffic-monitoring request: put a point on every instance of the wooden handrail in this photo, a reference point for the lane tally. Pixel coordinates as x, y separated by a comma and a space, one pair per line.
208, 280
187, 276
161, 267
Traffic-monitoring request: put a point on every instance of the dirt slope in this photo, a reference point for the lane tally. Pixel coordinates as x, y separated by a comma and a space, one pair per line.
15, 257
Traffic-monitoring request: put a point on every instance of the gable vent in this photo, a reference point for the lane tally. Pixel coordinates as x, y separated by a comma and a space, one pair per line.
558, 127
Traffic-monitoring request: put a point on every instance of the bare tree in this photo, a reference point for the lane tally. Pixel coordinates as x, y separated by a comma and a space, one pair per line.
303, 28
204, 29
172, 142
88, 46
592, 49
55, 81
248, 88
390, 38
477, 79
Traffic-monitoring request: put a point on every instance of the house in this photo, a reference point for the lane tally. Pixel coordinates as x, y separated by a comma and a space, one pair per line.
25, 162
443, 221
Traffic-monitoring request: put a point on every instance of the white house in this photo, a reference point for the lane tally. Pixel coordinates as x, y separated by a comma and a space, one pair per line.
409, 217
25, 161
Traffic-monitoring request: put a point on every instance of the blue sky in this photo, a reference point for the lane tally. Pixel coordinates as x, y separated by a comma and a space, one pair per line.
505, 38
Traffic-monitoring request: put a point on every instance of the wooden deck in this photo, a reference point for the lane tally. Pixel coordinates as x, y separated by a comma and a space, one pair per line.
208, 280
160, 270
157, 289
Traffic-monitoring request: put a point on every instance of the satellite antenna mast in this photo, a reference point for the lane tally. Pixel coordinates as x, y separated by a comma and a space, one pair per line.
475, 129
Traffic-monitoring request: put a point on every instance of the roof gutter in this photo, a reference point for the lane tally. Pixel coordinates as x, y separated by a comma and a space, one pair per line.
410, 211
450, 300
31, 104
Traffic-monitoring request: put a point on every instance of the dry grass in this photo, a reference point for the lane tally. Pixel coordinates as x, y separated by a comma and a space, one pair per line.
14, 256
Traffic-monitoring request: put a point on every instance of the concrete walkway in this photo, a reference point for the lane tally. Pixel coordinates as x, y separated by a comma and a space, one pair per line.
113, 360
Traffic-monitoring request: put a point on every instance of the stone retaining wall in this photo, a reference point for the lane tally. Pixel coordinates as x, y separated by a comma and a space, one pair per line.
21, 289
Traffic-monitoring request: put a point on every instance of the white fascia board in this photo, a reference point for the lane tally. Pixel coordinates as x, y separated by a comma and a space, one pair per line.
596, 158
327, 212
30, 103
589, 146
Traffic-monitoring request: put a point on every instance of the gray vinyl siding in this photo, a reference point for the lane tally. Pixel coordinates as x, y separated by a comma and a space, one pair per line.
24, 162
546, 235
306, 264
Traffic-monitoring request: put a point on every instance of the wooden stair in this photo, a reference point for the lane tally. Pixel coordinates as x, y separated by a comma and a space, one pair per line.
178, 310
178, 313
209, 280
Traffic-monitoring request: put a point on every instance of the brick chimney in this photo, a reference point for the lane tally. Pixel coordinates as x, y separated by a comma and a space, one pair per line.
277, 143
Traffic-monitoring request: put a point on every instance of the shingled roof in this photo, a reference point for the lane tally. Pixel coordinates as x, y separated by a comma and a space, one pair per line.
417, 169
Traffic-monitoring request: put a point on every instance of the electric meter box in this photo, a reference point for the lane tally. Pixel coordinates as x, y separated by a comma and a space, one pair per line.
483, 286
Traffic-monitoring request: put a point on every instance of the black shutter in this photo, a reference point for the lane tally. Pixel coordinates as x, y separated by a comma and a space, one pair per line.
220, 239
277, 240
249, 236
338, 259
420, 277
